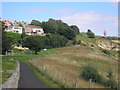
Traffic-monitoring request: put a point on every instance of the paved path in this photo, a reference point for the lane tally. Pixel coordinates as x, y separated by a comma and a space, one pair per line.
28, 78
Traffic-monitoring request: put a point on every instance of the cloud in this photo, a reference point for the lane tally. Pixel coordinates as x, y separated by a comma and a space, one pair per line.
37, 10
94, 21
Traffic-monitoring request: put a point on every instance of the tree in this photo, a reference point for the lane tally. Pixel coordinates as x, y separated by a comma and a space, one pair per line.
61, 28
36, 23
34, 43
55, 40
90, 34
75, 28
6, 41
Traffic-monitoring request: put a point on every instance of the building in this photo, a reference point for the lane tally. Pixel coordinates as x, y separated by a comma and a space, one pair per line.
11, 27
7, 23
17, 29
34, 30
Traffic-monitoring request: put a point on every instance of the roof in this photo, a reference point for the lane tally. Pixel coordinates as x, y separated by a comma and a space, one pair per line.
33, 26
5, 21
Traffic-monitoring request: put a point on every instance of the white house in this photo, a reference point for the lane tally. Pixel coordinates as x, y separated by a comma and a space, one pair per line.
17, 29
34, 30
11, 27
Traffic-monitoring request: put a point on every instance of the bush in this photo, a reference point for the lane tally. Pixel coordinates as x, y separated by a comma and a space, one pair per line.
111, 83
106, 52
89, 72
111, 80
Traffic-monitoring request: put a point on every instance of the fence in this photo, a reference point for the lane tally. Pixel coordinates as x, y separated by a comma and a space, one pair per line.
61, 77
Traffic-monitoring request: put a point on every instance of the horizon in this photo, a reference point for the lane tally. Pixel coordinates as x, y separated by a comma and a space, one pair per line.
96, 16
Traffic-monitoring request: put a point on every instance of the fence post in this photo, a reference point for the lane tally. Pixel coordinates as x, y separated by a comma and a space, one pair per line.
90, 83
58, 75
53, 74
76, 83
65, 77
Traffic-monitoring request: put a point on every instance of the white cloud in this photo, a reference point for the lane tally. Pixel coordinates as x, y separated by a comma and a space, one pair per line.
94, 21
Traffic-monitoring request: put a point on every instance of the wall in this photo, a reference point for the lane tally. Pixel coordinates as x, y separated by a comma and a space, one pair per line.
12, 82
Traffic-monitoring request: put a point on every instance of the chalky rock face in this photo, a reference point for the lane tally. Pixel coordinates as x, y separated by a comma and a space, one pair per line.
108, 45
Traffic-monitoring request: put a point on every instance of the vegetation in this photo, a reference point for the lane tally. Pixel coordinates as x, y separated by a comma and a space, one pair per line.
89, 72
90, 34
6, 65
6, 41
66, 59
59, 27
71, 59
36, 43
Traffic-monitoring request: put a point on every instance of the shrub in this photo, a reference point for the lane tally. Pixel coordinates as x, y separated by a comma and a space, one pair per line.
106, 51
111, 82
89, 72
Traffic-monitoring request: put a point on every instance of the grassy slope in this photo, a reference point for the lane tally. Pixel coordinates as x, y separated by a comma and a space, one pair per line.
71, 59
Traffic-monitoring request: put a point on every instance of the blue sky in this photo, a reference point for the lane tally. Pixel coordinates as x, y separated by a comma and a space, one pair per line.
97, 16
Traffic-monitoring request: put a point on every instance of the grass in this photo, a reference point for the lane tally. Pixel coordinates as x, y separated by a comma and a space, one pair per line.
66, 60
42, 77
4, 76
24, 57
84, 37
71, 59
8, 65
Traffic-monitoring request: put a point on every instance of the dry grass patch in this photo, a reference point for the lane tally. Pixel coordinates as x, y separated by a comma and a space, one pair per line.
70, 60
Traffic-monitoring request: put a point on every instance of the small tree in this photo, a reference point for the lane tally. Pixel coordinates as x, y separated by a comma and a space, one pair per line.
90, 34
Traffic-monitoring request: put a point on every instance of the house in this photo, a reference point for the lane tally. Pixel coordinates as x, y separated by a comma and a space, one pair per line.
17, 29
7, 23
34, 30
11, 27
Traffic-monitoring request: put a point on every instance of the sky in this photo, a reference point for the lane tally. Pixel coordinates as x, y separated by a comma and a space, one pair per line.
97, 16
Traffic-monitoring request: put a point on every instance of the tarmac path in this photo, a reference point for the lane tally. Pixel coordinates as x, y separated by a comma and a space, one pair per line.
28, 78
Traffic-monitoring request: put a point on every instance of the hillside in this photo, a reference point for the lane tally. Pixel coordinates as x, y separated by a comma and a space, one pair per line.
70, 60
100, 44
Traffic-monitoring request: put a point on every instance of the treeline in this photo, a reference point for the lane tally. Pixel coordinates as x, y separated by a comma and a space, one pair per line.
58, 27
36, 43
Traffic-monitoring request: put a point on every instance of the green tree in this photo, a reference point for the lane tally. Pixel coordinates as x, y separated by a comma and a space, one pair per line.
36, 23
90, 34
61, 28
34, 43
15, 37
6, 41
75, 28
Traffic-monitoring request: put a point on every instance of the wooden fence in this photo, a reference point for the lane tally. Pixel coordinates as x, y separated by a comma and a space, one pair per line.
61, 77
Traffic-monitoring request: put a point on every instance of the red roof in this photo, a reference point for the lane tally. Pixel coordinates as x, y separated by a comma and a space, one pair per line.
5, 21
32, 26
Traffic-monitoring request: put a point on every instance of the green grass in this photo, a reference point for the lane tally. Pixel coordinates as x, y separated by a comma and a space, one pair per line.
84, 37
24, 57
4, 76
8, 65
